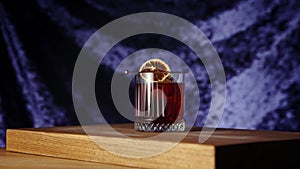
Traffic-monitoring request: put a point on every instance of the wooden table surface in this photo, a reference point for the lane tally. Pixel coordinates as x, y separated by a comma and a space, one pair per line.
11, 160
226, 148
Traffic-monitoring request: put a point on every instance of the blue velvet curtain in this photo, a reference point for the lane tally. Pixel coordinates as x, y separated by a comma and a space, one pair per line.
257, 40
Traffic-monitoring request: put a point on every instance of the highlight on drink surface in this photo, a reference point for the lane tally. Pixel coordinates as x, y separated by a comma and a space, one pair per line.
159, 98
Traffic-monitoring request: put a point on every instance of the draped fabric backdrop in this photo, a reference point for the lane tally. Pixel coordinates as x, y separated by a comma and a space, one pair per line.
258, 42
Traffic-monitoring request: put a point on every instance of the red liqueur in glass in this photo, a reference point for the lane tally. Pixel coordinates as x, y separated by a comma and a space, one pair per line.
159, 105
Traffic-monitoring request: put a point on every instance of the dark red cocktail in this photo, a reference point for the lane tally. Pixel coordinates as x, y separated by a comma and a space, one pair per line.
159, 105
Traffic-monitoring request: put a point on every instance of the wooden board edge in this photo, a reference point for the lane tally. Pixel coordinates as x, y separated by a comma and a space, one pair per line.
80, 147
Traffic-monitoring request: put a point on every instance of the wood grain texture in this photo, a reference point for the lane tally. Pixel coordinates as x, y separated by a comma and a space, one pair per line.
225, 148
11, 160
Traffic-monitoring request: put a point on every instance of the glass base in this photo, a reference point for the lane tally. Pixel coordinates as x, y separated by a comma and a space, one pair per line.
150, 126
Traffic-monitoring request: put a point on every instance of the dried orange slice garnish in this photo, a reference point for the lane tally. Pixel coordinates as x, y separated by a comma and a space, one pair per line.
158, 67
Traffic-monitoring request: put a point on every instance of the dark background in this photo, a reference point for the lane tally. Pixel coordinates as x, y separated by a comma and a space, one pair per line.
257, 40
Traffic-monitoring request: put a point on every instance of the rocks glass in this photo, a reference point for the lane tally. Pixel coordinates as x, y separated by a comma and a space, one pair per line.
159, 105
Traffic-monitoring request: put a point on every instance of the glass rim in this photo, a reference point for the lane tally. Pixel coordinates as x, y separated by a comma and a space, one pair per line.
163, 72
171, 72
